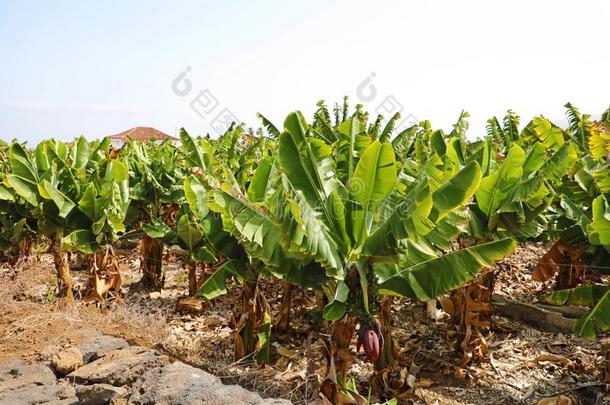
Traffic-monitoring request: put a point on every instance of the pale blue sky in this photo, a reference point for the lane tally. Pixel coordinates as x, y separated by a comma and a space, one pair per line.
98, 68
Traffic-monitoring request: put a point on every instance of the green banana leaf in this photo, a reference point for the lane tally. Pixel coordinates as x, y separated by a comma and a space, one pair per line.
597, 320
438, 276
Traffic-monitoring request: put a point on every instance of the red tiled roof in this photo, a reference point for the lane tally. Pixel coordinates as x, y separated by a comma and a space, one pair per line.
142, 134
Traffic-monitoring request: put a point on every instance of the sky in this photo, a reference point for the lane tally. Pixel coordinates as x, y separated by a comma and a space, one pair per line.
98, 68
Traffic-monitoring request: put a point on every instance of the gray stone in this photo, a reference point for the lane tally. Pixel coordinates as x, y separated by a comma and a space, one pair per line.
15, 373
22, 383
119, 367
179, 383
67, 360
99, 394
91, 343
99, 346
39, 394
35, 294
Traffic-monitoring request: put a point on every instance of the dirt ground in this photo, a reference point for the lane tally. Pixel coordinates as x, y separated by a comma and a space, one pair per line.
525, 365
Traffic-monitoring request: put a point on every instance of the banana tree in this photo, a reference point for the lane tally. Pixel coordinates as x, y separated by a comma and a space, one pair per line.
44, 180
20, 188
196, 230
589, 210
103, 207
236, 161
16, 222
580, 198
597, 319
189, 235
200, 232
516, 191
155, 189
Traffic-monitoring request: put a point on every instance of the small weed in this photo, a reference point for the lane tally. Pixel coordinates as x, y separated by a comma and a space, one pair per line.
181, 277
51, 295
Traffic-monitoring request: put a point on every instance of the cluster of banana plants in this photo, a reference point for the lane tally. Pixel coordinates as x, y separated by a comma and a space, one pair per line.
342, 204
156, 174
583, 226
76, 195
330, 206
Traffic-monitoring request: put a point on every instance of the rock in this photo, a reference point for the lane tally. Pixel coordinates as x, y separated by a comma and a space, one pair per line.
22, 383
155, 295
91, 343
37, 294
179, 383
67, 360
99, 394
40, 394
189, 304
119, 367
99, 346
15, 373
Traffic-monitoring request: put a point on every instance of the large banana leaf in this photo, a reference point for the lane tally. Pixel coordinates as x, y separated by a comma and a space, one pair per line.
64, 204
21, 164
192, 150
157, 229
306, 162
81, 153
259, 234
309, 172
188, 232
215, 285
438, 276
495, 187
599, 142
353, 143
257, 190
305, 234
409, 217
583, 295
455, 192
24, 188
418, 213
557, 166
542, 130
195, 194
373, 180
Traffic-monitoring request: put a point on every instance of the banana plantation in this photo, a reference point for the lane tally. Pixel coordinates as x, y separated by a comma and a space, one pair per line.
373, 254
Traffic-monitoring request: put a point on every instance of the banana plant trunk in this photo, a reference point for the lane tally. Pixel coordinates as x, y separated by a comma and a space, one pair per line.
321, 301
26, 246
283, 323
151, 251
62, 268
104, 275
341, 337
245, 329
192, 274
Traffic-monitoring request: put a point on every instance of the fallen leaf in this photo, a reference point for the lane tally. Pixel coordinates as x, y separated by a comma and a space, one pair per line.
549, 357
283, 351
558, 400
